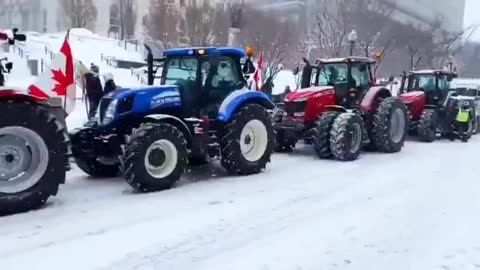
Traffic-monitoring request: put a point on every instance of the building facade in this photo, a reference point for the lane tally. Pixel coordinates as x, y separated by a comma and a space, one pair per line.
45, 15
424, 12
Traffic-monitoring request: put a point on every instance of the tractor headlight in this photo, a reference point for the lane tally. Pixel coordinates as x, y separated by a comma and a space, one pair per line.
110, 112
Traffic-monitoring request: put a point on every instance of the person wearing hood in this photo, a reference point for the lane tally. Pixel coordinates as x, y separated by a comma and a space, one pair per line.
93, 85
110, 85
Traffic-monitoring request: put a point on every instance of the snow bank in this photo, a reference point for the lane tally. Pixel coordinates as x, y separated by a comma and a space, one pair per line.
284, 78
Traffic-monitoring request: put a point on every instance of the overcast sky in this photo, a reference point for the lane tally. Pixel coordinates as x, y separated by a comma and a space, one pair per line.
472, 15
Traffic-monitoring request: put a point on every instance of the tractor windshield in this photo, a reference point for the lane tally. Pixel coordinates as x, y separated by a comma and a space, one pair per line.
337, 73
331, 74
180, 69
424, 82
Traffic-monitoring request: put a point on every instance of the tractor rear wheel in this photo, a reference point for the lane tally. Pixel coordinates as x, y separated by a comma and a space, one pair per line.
428, 125
33, 156
346, 136
248, 141
320, 134
390, 126
155, 158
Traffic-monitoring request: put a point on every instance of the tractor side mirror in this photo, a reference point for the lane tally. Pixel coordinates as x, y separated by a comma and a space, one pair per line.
306, 76
20, 37
9, 66
449, 77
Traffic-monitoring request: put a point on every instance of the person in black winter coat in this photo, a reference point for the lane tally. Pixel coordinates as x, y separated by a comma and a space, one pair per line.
94, 90
268, 86
110, 85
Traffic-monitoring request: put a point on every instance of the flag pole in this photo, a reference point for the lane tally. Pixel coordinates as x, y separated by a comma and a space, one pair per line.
67, 37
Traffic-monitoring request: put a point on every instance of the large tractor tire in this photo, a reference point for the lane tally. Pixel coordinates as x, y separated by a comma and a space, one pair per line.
95, 168
155, 157
428, 125
284, 143
390, 126
248, 141
346, 137
34, 152
320, 134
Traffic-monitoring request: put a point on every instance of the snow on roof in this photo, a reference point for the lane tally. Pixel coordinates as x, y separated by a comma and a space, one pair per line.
208, 50
342, 59
430, 71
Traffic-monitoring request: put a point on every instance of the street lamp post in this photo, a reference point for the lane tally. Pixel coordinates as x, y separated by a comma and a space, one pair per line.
352, 38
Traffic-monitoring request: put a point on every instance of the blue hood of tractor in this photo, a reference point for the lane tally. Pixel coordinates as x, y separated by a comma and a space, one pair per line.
148, 98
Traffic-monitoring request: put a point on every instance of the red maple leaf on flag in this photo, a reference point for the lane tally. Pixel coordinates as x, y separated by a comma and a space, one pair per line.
61, 82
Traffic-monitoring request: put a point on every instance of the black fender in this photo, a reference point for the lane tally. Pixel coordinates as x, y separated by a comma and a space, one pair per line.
175, 121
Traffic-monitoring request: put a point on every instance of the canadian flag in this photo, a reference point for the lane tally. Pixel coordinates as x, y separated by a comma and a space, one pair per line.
257, 76
58, 80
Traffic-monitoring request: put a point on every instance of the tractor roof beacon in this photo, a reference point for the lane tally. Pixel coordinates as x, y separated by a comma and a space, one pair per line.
34, 146
200, 110
339, 109
432, 103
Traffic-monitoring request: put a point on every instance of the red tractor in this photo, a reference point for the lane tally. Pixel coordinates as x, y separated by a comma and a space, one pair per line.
432, 104
339, 109
34, 145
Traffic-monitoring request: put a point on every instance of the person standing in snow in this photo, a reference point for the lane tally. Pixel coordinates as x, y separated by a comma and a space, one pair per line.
268, 86
94, 89
463, 120
110, 85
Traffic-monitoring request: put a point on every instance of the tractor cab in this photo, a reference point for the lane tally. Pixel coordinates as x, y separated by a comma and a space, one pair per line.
435, 84
204, 76
351, 77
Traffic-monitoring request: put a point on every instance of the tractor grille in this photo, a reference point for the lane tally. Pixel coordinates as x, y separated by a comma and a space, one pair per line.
295, 107
104, 102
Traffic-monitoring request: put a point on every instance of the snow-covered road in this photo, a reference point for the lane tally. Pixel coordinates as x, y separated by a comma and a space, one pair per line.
418, 209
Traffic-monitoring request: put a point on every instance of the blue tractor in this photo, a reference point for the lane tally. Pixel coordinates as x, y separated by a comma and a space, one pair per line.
201, 110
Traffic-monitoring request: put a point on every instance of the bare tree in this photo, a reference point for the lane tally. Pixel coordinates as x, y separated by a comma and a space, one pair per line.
10, 8
128, 19
200, 23
162, 21
448, 44
79, 13
373, 23
331, 27
269, 36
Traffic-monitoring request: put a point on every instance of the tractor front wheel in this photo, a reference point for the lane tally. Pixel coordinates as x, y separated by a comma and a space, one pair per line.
346, 136
390, 126
428, 125
155, 158
320, 134
248, 141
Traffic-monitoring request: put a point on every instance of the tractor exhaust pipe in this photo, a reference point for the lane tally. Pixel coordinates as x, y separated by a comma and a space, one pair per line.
150, 71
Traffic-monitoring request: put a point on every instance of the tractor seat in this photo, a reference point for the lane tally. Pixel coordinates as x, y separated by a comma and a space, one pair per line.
218, 94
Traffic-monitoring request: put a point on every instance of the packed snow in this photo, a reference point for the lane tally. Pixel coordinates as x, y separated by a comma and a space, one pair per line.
411, 210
